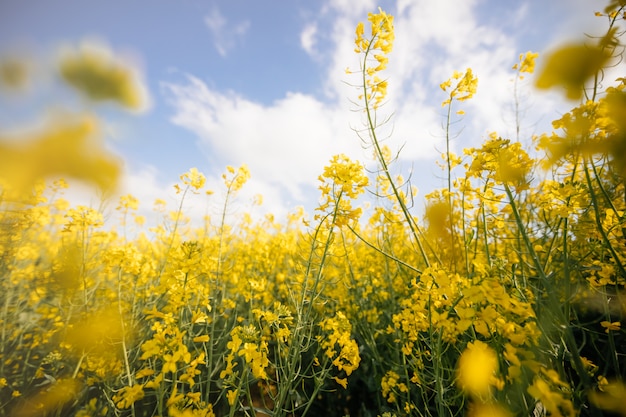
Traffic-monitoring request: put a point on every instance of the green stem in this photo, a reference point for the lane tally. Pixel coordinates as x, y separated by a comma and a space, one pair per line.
415, 230
560, 324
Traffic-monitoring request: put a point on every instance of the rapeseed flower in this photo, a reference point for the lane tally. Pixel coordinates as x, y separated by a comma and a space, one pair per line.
95, 72
464, 88
342, 181
381, 39
571, 66
526, 63
69, 146
476, 370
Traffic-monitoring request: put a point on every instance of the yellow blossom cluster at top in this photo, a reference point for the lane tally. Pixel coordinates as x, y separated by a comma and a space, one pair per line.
464, 88
526, 63
378, 44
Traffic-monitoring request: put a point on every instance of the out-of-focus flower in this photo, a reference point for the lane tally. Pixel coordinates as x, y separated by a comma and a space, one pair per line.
477, 369
95, 72
66, 147
571, 66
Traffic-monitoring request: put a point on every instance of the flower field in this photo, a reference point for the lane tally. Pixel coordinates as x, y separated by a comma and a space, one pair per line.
505, 298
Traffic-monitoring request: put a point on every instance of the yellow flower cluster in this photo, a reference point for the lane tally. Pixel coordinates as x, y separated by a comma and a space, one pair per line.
505, 162
379, 43
235, 179
339, 346
342, 181
193, 178
526, 63
464, 88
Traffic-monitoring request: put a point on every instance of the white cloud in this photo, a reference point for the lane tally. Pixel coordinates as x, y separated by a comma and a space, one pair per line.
307, 38
225, 33
285, 144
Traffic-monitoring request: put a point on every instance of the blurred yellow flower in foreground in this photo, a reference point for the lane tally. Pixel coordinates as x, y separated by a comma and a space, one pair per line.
99, 75
610, 397
487, 410
14, 73
60, 393
67, 147
571, 66
476, 369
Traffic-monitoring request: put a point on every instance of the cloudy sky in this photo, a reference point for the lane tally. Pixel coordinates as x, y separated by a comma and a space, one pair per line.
264, 82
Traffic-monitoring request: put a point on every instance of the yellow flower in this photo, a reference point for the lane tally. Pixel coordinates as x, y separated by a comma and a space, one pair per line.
95, 72
193, 178
201, 339
552, 392
615, 326
381, 40
68, 146
127, 396
527, 62
388, 383
234, 180
232, 395
571, 66
256, 358
169, 363
476, 370
611, 398
14, 73
341, 381
342, 180
143, 373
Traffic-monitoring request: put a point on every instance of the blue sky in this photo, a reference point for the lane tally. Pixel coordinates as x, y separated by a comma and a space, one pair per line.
263, 82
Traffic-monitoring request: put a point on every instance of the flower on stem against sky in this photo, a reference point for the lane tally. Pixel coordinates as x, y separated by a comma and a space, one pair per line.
526, 63
82, 218
193, 178
464, 89
235, 179
379, 43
